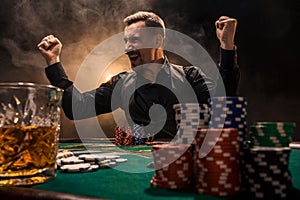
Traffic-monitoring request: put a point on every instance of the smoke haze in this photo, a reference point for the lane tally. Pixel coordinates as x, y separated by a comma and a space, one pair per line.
266, 39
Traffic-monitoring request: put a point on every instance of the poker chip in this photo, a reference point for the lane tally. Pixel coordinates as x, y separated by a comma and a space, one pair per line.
132, 135
294, 145
189, 117
111, 157
81, 167
230, 112
123, 136
112, 164
121, 160
105, 161
267, 172
94, 167
64, 154
225, 156
88, 162
91, 157
107, 165
216, 162
71, 160
173, 166
271, 134
140, 136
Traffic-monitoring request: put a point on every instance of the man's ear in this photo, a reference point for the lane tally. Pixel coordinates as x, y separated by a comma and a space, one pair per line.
159, 41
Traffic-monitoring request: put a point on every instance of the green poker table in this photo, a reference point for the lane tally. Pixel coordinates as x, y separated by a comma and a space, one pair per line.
129, 180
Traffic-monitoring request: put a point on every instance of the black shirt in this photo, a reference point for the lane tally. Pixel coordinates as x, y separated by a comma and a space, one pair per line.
136, 95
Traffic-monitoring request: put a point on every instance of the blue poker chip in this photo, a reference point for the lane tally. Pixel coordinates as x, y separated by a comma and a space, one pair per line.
233, 99
139, 135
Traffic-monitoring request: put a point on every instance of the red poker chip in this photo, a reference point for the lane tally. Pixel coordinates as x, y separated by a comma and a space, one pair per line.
214, 152
217, 137
177, 181
172, 177
173, 164
218, 164
170, 146
217, 181
216, 192
168, 184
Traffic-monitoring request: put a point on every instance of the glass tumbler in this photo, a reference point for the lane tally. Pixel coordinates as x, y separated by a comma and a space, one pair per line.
29, 132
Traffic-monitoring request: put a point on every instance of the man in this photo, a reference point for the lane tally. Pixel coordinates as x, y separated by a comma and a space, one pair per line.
153, 81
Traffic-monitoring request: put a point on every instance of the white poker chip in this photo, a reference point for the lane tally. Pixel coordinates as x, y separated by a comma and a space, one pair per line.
94, 167
71, 160
91, 157
80, 167
112, 164
121, 160
104, 166
111, 157
91, 168
107, 165
58, 163
64, 154
104, 161
294, 145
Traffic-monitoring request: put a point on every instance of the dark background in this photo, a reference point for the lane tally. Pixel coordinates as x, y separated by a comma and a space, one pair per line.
267, 41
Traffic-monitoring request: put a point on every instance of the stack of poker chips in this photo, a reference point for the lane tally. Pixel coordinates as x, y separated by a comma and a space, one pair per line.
71, 163
189, 118
134, 135
216, 162
173, 166
63, 153
139, 135
230, 112
123, 136
267, 173
271, 134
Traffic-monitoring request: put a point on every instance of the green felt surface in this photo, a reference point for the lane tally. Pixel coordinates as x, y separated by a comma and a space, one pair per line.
294, 166
131, 180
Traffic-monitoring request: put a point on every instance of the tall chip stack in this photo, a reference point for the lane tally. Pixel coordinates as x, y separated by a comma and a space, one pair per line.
267, 172
216, 162
230, 112
173, 166
266, 160
189, 118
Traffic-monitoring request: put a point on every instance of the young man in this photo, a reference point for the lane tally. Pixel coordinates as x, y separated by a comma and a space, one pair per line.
153, 80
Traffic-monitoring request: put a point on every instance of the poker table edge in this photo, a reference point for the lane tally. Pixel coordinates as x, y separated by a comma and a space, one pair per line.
24, 193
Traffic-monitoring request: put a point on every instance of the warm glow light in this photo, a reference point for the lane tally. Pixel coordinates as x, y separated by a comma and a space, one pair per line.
108, 77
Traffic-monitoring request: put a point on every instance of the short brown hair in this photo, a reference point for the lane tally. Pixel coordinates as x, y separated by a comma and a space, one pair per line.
151, 20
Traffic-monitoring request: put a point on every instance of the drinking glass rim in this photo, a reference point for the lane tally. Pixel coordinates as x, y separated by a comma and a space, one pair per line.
29, 84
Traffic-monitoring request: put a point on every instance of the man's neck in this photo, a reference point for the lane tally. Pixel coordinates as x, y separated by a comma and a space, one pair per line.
151, 71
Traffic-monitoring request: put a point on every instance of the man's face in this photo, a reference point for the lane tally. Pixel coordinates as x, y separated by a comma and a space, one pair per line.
139, 44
